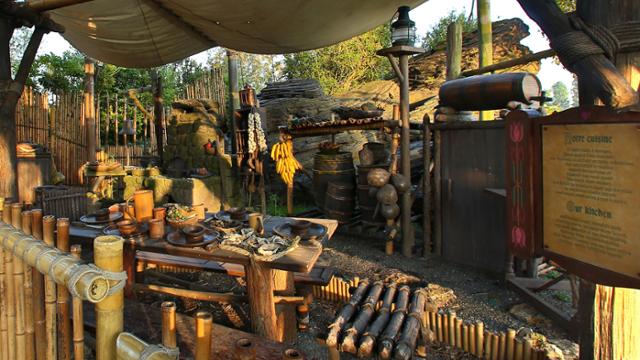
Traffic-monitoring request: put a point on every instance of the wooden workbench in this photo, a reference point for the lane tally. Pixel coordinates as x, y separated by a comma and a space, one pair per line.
263, 278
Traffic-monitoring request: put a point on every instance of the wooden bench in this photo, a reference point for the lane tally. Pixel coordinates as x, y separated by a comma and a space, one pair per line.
319, 275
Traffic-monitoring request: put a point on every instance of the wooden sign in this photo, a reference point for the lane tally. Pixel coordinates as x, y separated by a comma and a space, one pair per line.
588, 193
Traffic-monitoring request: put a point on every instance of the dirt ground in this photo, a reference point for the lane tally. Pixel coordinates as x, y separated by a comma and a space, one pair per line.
473, 295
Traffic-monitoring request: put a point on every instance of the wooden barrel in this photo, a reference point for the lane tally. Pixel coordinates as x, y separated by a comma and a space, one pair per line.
331, 167
489, 92
366, 215
339, 201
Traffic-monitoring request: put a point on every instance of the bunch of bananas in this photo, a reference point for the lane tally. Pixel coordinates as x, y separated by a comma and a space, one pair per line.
286, 163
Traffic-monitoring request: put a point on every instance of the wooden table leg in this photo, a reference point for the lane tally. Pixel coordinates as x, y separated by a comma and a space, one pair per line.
287, 324
129, 262
262, 308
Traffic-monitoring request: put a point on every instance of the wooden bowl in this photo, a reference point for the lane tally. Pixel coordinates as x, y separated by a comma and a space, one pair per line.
236, 213
127, 227
193, 233
179, 224
300, 227
101, 215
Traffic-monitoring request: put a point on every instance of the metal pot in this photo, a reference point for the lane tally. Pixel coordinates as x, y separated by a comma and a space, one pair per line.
387, 195
366, 156
378, 177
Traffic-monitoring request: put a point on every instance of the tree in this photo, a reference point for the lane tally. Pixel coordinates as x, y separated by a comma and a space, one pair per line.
560, 95
343, 66
438, 34
575, 92
253, 69
55, 73
566, 5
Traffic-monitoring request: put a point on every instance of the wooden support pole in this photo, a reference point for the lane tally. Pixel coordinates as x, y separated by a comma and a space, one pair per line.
158, 112
510, 63
29, 332
10, 299
78, 322
89, 108
261, 302
4, 339
51, 345
405, 141
63, 300
234, 96
426, 186
454, 50
485, 43
204, 322
108, 253
286, 321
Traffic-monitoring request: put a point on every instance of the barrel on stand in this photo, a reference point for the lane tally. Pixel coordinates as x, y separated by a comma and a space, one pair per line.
340, 201
366, 202
337, 167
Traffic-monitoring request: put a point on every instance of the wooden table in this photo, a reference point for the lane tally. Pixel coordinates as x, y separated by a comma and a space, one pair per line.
263, 278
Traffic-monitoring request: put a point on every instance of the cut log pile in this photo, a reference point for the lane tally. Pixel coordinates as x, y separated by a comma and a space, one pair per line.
294, 88
388, 321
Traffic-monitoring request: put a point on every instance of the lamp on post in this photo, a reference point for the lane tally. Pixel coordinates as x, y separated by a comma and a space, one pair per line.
403, 36
127, 129
403, 30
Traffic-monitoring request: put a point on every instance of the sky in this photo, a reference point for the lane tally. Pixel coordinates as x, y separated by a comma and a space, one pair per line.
425, 16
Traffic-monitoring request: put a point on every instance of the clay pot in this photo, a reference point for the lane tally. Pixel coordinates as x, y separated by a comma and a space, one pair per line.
366, 156
143, 205
300, 227
102, 214
193, 233
199, 210
378, 177
159, 213
156, 228
127, 227
390, 211
127, 210
387, 195
401, 183
236, 213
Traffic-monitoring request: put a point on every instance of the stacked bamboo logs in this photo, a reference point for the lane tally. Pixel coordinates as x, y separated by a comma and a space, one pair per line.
337, 290
130, 347
30, 306
396, 322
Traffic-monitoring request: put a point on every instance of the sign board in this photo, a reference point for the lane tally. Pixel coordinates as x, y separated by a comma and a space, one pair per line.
589, 194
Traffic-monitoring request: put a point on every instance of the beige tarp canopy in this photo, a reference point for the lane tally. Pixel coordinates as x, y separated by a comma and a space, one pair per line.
146, 33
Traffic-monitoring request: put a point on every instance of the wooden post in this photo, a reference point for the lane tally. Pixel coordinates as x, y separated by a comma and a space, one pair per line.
64, 320
78, 322
158, 113
405, 141
89, 108
234, 96
108, 251
485, 43
51, 346
204, 322
610, 317
286, 313
289, 199
10, 297
169, 324
454, 50
261, 302
426, 186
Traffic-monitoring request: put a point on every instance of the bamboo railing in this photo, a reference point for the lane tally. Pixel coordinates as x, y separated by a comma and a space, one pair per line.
35, 321
210, 86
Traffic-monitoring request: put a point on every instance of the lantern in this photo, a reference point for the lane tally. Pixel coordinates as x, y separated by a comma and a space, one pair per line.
403, 30
127, 127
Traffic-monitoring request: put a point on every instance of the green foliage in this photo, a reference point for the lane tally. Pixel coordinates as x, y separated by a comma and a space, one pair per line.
343, 66
567, 5
253, 69
575, 92
560, 95
437, 36
59, 73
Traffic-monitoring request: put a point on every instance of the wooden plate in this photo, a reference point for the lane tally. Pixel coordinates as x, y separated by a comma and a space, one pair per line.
315, 231
141, 229
91, 219
177, 238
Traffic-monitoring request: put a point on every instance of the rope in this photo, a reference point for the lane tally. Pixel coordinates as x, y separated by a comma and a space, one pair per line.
601, 36
151, 350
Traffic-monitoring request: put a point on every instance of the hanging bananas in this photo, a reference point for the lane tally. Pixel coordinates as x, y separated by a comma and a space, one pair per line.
286, 163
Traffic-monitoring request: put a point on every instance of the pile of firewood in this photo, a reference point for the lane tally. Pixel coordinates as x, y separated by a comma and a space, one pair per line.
294, 88
385, 319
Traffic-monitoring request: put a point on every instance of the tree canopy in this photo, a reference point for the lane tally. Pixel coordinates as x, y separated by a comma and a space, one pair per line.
438, 34
345, 65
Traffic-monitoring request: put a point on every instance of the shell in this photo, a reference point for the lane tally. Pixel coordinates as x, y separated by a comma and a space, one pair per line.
378, 177
268, 249
387, 195
400, 182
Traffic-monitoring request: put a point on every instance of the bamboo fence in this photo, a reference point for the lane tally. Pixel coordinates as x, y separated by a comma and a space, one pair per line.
210, 86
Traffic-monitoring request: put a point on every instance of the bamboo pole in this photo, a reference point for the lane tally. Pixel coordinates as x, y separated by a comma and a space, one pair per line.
169, 324
502, 345
78, 322
51, 346
130, 347
495, 346
465, 338
511, 336
479, 339
204, 322
245, 350
472, 339
18, 285
454, 50
108, 251
485, 44
459, 331
452, 327
519, 351
6, 212
11, 305
526, 350
4, 335
439, 327
64, 320
16, 218
28, 295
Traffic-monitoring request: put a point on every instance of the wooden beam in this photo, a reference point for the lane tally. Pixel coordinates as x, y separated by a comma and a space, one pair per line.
24, 16
47, 5
485, 44
454, 50
596, 71
89, 107
511, 63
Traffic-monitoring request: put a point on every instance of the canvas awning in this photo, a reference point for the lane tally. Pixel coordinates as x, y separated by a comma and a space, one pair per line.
147, 33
